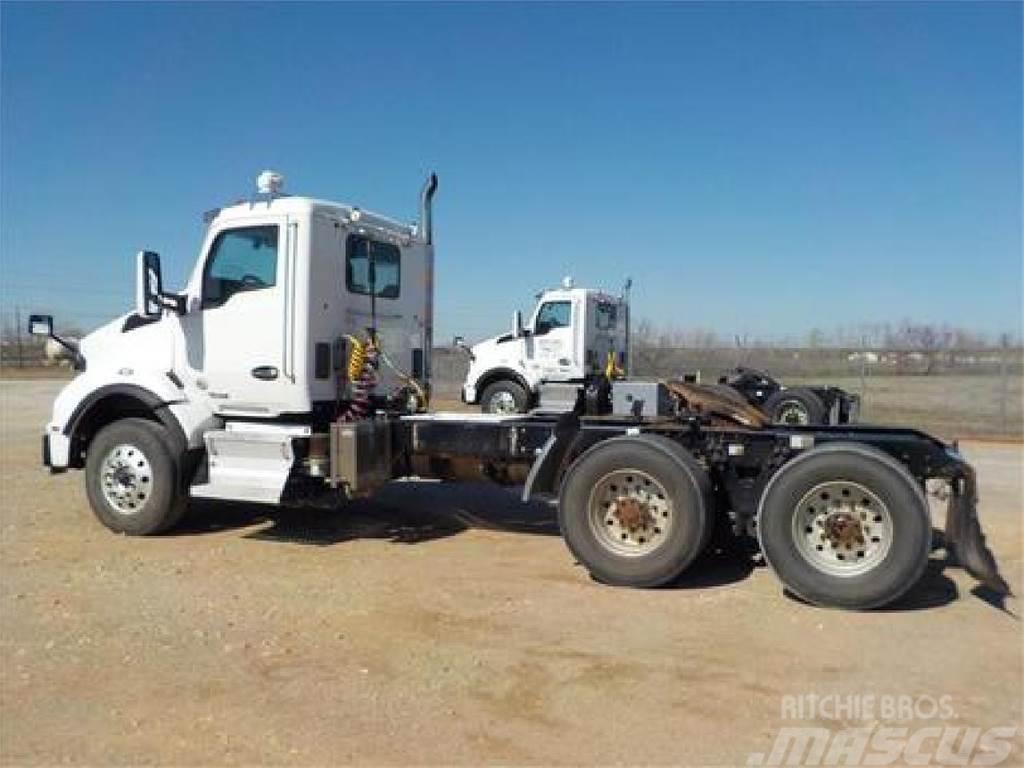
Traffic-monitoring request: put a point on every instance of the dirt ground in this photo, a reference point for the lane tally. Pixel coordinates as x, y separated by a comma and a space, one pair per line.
440, 625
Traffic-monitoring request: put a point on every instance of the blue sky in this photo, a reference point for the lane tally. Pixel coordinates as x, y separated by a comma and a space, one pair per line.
756, 168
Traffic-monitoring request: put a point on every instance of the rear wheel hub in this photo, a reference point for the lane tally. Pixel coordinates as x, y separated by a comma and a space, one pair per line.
630, 512
842, 528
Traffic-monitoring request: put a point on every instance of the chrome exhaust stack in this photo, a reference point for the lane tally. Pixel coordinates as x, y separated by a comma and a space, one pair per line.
427, 209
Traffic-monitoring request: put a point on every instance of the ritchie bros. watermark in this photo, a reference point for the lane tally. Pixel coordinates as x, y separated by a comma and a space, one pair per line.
881, 730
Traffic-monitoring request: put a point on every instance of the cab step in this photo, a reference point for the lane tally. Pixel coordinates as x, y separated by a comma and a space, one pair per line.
249, 461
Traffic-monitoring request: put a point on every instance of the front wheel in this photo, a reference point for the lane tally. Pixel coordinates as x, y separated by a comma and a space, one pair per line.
504, 397
131, 478
635, 511
845, 526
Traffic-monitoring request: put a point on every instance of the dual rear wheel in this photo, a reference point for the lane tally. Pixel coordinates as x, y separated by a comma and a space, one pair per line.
842, 525
636, 511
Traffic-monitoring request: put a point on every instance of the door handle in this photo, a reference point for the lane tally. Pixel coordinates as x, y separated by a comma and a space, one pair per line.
264, 372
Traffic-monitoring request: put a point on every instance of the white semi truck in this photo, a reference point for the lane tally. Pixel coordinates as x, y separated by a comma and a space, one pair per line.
294, 368
572, 334
576, 334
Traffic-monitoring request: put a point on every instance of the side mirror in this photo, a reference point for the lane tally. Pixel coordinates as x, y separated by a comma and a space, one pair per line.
460, 342
148, 285
150, 298
517, 324
40, 325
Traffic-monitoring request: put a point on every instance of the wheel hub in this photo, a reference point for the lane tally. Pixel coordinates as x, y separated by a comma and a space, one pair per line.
126, 479
842, 528
630, 512
793, 412
503, 402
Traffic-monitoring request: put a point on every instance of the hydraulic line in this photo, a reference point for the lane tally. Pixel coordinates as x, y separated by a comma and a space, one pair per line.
362, 373
363, 363
415, 386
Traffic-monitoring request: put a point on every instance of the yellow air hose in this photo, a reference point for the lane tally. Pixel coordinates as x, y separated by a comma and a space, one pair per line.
611, 369
357, 359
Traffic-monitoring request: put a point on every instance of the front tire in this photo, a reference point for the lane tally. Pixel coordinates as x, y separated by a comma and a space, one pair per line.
845, 526
635, 511
504, 397
131, 478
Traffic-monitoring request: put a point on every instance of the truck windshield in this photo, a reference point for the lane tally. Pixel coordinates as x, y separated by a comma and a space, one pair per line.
387, 267
554, 314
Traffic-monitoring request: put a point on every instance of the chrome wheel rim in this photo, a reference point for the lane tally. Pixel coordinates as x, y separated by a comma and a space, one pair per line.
793, 412
842, 528
629, 512
502, 402
126, 479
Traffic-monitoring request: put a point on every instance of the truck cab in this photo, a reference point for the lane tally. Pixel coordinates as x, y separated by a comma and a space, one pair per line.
259, 339
570, 336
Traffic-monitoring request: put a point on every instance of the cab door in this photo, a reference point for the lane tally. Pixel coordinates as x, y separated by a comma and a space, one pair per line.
554, 340
239, 350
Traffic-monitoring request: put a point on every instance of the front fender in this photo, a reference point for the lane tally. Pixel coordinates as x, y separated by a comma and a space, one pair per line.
74, 403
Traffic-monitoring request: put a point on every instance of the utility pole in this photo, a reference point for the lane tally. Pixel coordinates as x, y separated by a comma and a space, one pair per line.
17, 335
629, 341
863, 365
1004, 350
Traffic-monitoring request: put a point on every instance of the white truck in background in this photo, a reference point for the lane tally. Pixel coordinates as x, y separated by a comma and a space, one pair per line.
572, 335
577, 334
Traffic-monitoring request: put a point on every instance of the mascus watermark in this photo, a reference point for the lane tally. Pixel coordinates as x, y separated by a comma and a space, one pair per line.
876, 737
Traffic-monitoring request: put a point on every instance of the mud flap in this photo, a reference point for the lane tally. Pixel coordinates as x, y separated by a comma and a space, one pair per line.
964, 540
541, 478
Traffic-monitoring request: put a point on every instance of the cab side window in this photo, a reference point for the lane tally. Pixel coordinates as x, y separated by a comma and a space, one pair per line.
243, 259
372, 267
606, 316
553, 314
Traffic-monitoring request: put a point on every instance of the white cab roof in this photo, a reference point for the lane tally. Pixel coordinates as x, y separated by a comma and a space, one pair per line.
304, 206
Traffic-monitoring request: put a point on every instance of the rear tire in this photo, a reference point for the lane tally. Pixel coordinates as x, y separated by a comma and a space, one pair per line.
798, 405
503, 397
635, 511
131, 478
845, 526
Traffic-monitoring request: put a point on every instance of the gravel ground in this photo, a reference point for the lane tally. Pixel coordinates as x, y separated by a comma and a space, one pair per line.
441, 624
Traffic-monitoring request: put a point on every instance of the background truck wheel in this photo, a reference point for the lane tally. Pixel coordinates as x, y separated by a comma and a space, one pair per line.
797, 405
845, 526
635, 511
131, 478
504, 397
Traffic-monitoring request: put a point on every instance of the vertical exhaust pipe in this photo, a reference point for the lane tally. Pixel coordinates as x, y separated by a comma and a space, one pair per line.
427, 208
427, 236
